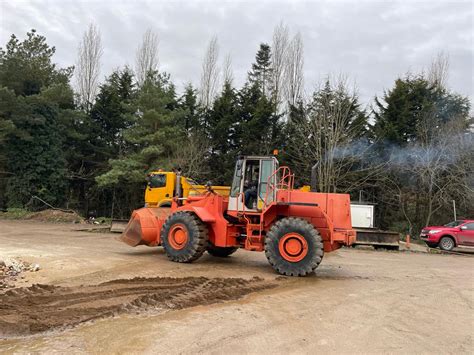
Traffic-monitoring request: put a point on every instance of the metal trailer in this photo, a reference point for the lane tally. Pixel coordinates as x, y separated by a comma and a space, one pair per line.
362, 216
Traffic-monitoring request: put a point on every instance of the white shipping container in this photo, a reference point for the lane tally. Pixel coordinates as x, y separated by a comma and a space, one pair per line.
362, 216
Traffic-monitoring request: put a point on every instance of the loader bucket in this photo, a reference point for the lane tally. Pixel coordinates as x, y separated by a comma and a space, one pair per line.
144, 226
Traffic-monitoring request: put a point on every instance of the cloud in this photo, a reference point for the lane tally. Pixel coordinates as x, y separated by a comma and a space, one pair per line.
372, 42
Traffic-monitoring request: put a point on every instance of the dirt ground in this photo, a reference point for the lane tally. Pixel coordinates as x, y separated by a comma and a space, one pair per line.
95, 294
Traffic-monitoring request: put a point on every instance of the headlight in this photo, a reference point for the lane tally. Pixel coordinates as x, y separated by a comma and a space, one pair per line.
434, 231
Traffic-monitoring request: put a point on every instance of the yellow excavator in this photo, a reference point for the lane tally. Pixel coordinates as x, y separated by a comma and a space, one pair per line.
162, 186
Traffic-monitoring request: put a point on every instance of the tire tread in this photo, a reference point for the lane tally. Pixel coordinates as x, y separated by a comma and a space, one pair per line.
307, 265
198, 234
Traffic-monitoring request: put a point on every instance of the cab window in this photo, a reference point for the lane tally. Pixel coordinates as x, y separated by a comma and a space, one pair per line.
267, 171
157, 180
237, 179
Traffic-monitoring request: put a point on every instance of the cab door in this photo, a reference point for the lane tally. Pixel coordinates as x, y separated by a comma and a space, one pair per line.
237, 186
253, 172
158, 188
246, 177
267, 168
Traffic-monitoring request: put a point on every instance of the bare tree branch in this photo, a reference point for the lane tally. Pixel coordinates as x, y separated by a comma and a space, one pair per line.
280, 51
191, 155
439, 70
147, 61
88, 66
210, 74
227, 72
294, 80
328, 137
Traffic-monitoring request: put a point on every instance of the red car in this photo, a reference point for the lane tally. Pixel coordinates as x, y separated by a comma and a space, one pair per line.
457, 233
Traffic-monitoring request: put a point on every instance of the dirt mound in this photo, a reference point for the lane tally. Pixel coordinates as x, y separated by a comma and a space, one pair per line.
56, 216
40, 308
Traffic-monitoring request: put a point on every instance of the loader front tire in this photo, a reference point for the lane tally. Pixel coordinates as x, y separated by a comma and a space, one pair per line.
184, 237
293, 247
221, 252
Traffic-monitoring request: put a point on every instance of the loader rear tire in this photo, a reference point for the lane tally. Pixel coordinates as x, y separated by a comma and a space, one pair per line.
294, 247
184, 237
221, 252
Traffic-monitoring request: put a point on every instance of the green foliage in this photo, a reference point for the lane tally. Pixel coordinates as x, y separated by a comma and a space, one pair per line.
26, 67
38, 162
405, 106
422, 131
259, 129
329, 131
33, 93
15, 213
222, 123
112, 113
190, 110
262, 70
154, 135
122, 170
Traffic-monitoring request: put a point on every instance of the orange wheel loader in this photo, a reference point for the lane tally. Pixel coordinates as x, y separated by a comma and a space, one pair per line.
262, 213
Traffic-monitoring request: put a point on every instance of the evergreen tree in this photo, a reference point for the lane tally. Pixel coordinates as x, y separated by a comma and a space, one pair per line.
415, 130
259, 128
111, 114
191, 113
261, 72
405, 105
154, 136
329, 131
26, 66
36, 162
222, 131
335, 106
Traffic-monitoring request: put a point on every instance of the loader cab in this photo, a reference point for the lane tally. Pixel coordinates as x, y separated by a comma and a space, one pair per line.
250, 183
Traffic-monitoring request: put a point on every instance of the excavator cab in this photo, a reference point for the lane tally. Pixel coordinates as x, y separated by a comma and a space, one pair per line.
250, 190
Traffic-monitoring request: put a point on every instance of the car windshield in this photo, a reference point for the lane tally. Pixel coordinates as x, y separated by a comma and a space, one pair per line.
454, 224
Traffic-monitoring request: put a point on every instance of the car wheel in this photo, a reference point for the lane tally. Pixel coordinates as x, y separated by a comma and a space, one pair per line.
446, 243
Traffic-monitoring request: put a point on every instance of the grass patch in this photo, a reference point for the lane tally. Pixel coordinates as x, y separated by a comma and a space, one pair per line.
16, 213
53, 216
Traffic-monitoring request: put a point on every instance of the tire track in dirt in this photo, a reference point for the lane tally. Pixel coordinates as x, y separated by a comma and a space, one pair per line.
40, 308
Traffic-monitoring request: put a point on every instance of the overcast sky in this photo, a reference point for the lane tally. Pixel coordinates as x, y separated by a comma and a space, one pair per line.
372, 42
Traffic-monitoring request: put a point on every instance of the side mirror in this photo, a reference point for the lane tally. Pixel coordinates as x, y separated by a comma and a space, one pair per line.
463, 228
